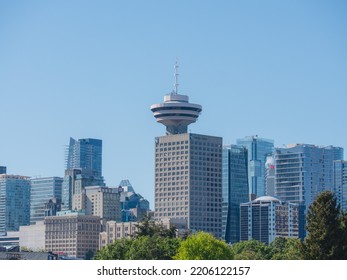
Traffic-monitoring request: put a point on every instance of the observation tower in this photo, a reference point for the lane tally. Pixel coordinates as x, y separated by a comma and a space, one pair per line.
176, 113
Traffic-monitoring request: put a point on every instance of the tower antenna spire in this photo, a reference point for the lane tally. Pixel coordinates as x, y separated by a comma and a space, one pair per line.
176, 77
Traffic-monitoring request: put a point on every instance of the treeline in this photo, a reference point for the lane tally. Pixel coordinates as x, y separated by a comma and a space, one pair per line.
326, 240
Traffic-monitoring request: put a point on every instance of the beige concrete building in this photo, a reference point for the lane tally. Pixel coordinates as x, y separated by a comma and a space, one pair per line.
114, 230
188, 180
103, 202
72, 234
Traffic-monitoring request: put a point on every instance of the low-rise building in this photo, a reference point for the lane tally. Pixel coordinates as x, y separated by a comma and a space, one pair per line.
73, 234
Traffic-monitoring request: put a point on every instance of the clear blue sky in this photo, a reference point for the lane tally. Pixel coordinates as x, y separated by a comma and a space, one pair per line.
91, 69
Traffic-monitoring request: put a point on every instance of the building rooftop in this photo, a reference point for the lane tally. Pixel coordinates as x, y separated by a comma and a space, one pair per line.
267, 199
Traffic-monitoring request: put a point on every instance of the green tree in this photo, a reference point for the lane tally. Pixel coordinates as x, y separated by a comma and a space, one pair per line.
140, 248
89, 255
115, 251
326, 230
148, 227
285, 248
152, 248
251, 250
203, 246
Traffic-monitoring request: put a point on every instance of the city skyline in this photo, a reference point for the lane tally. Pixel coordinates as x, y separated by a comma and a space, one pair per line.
91, 70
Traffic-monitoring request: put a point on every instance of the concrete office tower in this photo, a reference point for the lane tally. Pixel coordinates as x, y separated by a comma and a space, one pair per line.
2, 169
270, 176
235, 190
302, 172
266, 218
188, 167
14, 202
103, 202
42, 191
258, 150
340, 182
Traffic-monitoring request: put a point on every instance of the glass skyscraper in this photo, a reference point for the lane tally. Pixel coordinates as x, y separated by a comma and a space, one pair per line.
83, 168
14, 202
235, 190
2, 169
85, 154
302, 172
42, 190
258, 150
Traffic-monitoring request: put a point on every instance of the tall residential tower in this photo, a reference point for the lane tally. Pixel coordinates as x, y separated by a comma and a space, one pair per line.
188, 167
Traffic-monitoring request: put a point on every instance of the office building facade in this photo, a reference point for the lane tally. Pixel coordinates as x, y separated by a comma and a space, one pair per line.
266, 218
42, 191
72, 234
235, 190
114, 230
302, 172
3, 169
85, 154
258, 150
188, 183
14, 202
103, 202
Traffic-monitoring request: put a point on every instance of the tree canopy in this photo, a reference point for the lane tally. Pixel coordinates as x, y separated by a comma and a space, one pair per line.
285, 248
326, 226
203, 246
251, 250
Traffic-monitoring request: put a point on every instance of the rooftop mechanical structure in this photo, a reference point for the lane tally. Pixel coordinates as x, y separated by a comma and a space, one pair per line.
176, 113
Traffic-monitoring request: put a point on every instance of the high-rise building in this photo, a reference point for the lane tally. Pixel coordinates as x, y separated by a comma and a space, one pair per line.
266, 218
302, 172
235, 190
42, 191
258, 150
85, 154
2, 169
340, 182
83, 168
14, 202
188, 167
103, 202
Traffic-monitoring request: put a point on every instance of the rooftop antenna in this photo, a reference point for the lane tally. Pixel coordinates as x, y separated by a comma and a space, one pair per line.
176, 77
